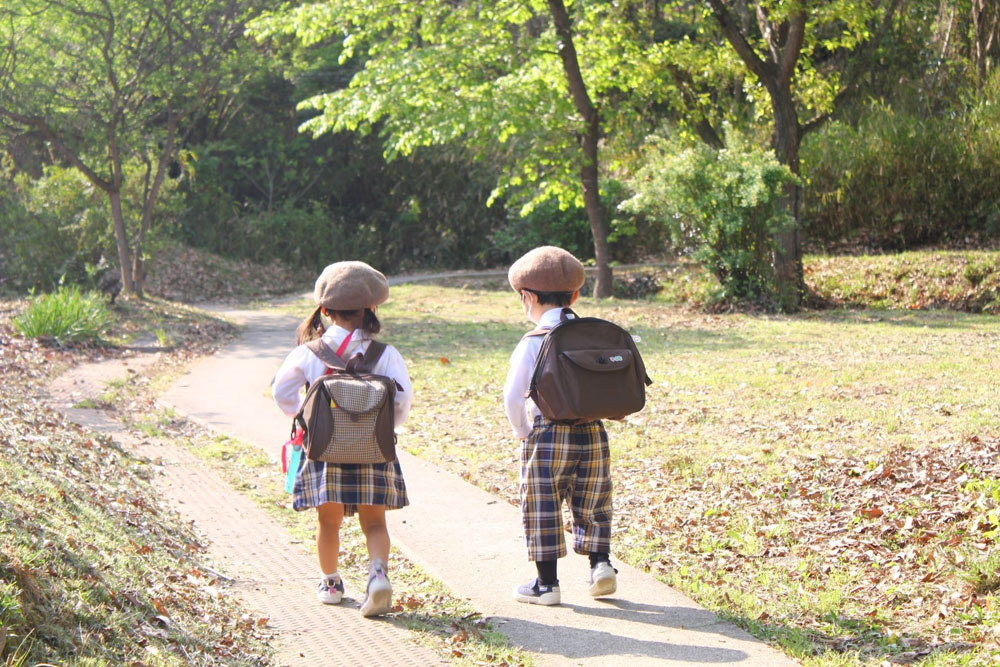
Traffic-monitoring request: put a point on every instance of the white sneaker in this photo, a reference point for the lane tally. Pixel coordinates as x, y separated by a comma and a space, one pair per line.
603, 580
330, 591
378, 597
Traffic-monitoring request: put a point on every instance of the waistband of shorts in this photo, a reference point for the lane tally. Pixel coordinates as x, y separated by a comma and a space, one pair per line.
541, 421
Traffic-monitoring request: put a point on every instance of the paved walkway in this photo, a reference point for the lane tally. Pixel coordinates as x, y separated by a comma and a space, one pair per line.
470, 540
274, 575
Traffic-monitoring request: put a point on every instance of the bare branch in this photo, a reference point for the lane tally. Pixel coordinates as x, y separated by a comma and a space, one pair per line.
732, 32
49, 135
764, 24
793, 47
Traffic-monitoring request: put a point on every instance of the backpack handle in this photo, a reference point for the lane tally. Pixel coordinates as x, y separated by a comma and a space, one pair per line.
356, 364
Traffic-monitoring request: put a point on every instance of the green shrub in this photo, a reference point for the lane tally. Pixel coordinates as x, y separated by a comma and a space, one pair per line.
546, 224
722, 207
897, 180
66, 315
55, 229
51, 228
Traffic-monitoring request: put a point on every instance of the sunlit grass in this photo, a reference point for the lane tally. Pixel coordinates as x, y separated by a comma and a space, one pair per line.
732, 395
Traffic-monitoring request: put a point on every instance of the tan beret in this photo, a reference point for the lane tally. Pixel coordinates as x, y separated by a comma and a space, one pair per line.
546, 269
350, 286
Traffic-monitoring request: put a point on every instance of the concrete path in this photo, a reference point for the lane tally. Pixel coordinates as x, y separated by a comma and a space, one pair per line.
273, 574
472, 541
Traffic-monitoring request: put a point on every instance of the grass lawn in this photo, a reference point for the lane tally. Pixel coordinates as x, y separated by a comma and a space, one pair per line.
828, 480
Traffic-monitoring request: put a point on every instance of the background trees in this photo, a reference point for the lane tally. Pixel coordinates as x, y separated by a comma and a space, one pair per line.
454, 134
112, 87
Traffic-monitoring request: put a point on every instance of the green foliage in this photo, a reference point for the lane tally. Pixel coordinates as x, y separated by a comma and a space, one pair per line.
57, 227
483, 75
67, 315
546, 224
720, 206
96, 84
52, 227
898, 180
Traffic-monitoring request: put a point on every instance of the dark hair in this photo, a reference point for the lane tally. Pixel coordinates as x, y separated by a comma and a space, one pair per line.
561, 299
312, 327
367, 322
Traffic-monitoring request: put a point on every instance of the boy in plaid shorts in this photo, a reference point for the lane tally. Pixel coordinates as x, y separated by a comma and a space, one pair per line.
559, 461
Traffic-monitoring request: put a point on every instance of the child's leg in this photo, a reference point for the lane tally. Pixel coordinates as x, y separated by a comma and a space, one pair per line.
546, 471
331, 515
541, 503
372, 520
590, 503
378, 593
591, 499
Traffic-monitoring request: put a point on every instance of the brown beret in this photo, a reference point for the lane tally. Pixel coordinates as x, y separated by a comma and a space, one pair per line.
546, 269
350, 286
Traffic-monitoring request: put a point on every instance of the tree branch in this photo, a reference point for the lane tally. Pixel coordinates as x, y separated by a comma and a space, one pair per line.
767, 31
49, 135
734, 35
793, 47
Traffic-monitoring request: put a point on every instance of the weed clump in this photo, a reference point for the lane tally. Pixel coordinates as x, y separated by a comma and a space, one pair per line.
67, 315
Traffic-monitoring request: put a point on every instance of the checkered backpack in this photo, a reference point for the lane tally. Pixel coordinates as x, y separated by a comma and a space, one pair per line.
347, 415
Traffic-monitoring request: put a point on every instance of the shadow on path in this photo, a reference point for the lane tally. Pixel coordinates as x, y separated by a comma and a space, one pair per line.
596, 643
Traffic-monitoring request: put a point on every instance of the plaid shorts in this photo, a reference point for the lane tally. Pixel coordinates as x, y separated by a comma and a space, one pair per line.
350, 484
565, 462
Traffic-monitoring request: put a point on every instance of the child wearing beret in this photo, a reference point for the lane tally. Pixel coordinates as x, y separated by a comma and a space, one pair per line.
348, 293
559, 461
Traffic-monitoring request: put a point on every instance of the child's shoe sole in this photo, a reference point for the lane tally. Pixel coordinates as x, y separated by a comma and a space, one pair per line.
603, 587
378, 602
547, 599
603, 580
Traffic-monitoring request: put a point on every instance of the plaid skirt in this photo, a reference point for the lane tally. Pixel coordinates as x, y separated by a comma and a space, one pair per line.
350, 484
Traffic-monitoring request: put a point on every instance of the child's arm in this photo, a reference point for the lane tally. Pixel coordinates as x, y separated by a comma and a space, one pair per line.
395, 368
299, 366
522, 362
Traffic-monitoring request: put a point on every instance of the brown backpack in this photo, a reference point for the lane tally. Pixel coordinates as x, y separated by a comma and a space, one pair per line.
587, 369
348, 414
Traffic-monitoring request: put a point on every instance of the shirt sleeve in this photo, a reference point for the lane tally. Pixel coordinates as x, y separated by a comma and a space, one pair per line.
392, 365
522, 362
299, 367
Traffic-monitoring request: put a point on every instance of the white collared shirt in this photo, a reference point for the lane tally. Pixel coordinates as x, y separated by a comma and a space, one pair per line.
301, 366
521, 410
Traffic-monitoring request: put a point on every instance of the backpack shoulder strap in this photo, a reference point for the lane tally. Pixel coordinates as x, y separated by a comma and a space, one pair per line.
370, 358
325, 353
536, 332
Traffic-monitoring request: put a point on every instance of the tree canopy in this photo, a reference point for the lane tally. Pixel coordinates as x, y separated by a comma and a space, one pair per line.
112, 87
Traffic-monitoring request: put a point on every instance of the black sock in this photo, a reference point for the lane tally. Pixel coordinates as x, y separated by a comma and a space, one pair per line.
599, 557
546, 572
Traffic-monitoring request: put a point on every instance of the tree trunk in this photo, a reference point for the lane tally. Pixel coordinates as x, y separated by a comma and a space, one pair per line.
588, 143
776, 74
139, 268
595, 208
788, 252
115, 197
